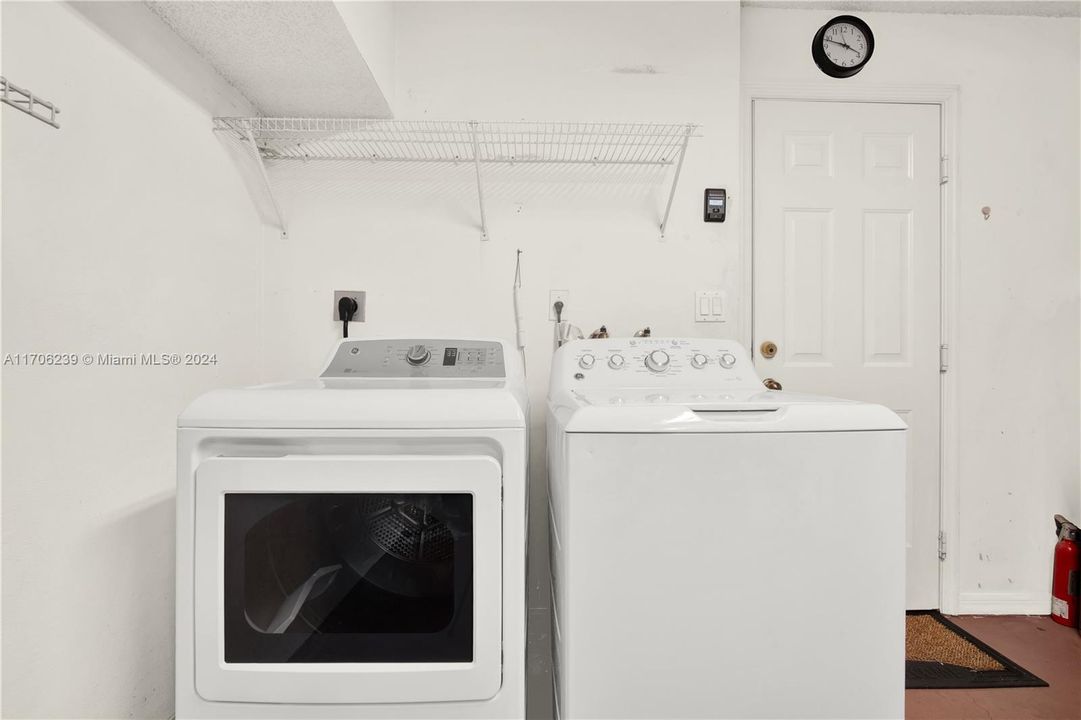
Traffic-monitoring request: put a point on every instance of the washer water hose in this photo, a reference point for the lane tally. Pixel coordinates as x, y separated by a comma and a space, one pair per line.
519, 331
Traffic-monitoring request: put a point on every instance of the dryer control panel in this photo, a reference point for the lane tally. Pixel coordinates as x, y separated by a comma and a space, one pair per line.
417, 358
655, 362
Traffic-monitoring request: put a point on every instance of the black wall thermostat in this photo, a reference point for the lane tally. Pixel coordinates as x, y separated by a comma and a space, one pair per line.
716, 199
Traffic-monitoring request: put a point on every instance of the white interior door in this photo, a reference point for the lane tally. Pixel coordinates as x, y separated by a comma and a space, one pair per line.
846, 276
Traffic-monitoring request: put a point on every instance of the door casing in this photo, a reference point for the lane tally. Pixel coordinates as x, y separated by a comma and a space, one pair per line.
947, 98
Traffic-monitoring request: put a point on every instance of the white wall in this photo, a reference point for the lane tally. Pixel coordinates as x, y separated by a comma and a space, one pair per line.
372, 26
127, 230
409, 235
1015, 363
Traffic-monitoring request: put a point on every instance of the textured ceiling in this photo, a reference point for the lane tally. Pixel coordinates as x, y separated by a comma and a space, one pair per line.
1042, 8
291, 59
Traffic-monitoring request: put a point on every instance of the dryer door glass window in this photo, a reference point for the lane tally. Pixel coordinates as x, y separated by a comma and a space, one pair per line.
348, 577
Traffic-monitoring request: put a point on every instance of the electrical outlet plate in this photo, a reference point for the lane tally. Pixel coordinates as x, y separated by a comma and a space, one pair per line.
553, 296
357, 295
709, 306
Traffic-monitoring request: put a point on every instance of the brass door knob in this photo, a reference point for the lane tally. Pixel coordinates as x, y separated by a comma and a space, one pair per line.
768, 349
772, 384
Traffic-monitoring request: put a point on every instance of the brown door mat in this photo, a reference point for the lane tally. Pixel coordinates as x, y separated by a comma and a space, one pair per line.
939, 654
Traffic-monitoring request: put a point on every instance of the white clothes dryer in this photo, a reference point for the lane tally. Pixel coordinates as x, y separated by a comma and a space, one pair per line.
719, 550
353, 546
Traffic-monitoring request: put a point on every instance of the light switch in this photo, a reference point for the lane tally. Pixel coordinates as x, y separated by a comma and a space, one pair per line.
709, 306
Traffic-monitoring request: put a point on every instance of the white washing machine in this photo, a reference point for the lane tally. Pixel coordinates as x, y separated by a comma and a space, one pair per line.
719, 550
353, 546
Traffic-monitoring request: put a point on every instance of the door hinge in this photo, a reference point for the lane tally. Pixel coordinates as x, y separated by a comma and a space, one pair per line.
943, 358
943, 170
941, 545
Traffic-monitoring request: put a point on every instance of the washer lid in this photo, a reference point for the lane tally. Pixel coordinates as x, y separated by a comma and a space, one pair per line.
660, 410
360, 404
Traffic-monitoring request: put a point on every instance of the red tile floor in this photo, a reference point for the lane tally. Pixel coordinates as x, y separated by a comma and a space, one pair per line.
1039, 645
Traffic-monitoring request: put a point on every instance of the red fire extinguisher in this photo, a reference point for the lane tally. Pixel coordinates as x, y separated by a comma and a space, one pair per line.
1065, 590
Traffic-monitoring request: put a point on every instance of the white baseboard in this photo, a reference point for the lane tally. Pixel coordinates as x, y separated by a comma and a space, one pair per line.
1004, 604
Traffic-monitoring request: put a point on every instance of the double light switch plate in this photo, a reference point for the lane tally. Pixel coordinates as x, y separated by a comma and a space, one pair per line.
709, 306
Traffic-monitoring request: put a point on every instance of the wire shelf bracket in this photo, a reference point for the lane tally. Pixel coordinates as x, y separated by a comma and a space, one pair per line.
480, 181
675, 178
29, 103
273, 140
266, 183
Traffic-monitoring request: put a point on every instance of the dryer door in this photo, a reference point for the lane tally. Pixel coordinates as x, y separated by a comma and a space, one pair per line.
348, 579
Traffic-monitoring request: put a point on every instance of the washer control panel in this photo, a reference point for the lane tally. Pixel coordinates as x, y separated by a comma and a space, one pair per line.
640, 362
417, 358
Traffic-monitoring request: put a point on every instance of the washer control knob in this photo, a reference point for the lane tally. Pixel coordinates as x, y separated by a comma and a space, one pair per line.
615, 361
727, 360
698, 361
657, 361
586, 361
417, 355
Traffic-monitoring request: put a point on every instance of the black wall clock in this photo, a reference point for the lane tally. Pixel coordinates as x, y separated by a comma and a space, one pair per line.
843, 46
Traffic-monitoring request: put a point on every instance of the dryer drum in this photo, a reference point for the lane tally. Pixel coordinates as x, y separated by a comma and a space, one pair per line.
409, 540
337, 562
408, 531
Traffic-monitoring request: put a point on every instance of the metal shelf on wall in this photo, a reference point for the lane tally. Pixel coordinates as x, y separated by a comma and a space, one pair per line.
473, 142
29, 103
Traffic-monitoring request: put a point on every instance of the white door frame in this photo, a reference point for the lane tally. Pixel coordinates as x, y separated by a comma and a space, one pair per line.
946, 97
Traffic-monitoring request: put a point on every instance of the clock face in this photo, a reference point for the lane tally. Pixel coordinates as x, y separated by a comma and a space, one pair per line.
845, 45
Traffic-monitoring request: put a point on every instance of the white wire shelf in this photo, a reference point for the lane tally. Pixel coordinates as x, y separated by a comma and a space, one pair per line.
474, 142
29, 103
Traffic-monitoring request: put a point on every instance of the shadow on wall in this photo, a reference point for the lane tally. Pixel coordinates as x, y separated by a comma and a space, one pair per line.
136, 549
449, 191
140, 32
360, 180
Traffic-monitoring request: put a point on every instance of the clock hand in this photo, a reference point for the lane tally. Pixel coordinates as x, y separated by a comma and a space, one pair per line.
844, 45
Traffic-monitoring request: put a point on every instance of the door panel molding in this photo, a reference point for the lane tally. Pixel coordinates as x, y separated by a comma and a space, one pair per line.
947, 98
808, 286
887, 323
